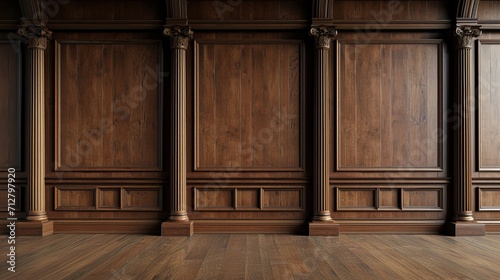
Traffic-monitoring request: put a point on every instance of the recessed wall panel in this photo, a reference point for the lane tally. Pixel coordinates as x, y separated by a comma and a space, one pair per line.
248, 106
488, 104
10, 105
108, 105
389, 106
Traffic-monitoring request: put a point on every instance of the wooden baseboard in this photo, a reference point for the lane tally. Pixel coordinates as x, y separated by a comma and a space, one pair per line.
242, 226
391, 227
250, 226
108, 226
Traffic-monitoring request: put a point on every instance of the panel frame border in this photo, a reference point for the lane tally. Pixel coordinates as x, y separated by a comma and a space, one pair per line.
480, 207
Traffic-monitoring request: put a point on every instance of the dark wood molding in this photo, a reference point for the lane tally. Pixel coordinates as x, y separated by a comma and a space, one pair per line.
248, 24
118, 25
393, 25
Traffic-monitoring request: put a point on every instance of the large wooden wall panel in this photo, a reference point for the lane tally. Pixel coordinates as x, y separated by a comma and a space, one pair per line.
248, 106
10, 105
108, 106
389, 106
488, 105
486, 130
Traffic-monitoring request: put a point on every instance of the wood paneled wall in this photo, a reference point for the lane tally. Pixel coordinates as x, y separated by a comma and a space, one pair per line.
486, 146
250, 117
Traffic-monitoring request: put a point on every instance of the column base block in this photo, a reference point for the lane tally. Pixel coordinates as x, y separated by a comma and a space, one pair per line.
324, 229
466, 229
170, 228
34, 228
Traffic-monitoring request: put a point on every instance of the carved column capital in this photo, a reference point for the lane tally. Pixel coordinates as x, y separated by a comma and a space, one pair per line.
465, 35
322, 36
37, 35
179, 36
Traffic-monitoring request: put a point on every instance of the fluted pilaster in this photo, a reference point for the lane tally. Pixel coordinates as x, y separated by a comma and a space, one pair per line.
462, 221
179, 39
37, 37
463, 188
321, 181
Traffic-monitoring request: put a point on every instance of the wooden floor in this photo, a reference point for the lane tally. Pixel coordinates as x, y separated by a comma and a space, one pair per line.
247, 256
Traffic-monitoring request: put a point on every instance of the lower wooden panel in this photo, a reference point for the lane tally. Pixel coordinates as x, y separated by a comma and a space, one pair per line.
488, 198
383, 198
108, 198
248, 198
